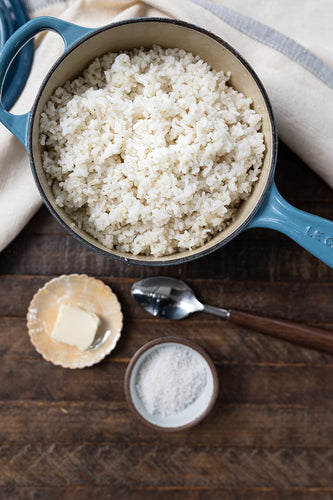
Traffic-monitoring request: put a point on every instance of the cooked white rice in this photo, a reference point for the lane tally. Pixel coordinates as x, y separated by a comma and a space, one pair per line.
151, 151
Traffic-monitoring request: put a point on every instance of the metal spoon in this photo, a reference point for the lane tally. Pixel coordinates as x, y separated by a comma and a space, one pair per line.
173, 299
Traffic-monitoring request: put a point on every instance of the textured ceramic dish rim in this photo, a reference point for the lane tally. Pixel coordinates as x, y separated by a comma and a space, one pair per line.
159, 342
102, 352
177, 258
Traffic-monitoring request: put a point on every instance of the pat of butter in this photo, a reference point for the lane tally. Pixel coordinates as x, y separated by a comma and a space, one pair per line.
75, 326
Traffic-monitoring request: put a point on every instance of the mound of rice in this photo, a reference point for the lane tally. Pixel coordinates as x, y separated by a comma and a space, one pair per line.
151, 151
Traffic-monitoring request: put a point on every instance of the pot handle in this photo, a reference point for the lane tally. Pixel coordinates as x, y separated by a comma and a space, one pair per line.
311, 232
70, 33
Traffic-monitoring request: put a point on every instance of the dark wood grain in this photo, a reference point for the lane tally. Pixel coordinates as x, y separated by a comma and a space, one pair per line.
68, 434
163, 493
237, 424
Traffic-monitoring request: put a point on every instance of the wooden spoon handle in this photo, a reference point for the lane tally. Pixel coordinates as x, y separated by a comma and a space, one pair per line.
306, 336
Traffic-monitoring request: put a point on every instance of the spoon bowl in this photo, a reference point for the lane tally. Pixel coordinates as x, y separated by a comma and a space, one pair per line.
166, 297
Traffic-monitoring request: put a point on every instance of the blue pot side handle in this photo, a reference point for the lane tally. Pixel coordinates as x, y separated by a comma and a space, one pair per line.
70, 33
313, 233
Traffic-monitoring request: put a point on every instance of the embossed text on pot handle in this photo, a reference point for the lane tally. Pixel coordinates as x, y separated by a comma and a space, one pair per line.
313, 233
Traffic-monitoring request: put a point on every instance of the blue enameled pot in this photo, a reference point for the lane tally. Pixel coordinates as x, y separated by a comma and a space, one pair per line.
265, 206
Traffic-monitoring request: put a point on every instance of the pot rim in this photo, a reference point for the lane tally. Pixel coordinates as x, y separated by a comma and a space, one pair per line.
168, 259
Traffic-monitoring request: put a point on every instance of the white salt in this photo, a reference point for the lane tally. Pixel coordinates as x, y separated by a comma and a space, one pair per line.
170, 379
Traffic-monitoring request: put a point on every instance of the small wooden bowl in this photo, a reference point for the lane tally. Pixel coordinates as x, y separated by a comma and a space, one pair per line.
192, 414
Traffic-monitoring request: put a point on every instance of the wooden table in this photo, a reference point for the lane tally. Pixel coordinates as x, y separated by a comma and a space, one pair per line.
69, 434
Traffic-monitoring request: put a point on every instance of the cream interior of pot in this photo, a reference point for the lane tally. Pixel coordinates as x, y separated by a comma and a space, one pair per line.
130, 35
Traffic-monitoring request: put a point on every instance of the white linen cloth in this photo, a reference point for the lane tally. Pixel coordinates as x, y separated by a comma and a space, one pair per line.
289, 45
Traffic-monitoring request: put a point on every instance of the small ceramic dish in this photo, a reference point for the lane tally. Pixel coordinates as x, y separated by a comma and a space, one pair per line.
84, 292
193, 413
